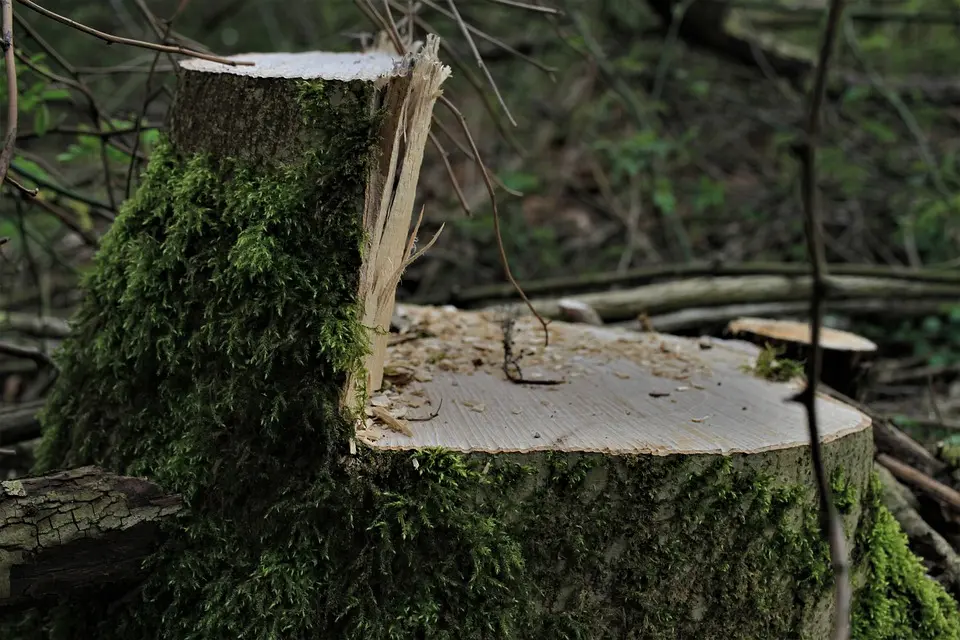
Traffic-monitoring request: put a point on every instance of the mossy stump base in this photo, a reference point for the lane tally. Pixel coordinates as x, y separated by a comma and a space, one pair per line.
655, 488
233, 328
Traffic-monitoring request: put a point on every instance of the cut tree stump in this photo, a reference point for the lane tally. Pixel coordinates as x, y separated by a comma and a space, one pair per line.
654, 486
845, 355
236, 322
65, 533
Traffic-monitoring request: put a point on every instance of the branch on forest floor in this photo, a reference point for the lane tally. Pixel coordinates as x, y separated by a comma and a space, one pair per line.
704, 292
924, 540
589, 282
63, 534
39, 357
20, 422
934, 488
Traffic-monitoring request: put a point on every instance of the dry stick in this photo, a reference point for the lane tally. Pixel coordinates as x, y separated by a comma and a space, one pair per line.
10, 140
933, 488
528, 7
31, 193
465, 151
143, 114
830, 520
453, 177
89, 237
491, 190
112, 39
16, 351
488, 105
476, 54
496, 42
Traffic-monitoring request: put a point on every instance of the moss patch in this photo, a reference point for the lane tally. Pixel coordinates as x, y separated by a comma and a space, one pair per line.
897, 599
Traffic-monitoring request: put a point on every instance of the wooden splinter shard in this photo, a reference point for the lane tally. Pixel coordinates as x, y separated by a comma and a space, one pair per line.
391, 190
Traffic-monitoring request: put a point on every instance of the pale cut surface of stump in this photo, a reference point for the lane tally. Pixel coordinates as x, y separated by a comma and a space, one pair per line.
307, 65
620, 392
799, 332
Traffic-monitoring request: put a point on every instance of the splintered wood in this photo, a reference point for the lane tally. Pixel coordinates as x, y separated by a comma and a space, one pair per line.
591, 389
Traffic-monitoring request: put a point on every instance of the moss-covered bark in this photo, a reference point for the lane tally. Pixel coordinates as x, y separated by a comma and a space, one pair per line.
219, 325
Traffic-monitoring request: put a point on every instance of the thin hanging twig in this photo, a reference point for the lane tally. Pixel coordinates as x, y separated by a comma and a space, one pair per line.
491, 190
106, 37
830, 520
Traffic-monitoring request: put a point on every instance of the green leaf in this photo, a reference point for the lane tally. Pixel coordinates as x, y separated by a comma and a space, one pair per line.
41, 120
879, 130
663, 196
52, 95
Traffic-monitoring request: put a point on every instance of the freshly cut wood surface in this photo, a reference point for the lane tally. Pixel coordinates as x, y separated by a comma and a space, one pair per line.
304, 65
799, 332
596, 389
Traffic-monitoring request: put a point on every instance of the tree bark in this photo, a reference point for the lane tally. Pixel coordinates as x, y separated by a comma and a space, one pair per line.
65, 533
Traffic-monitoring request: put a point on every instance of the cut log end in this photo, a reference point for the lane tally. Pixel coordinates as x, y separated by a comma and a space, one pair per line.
592, 390
799, 333
846, 356
309, 65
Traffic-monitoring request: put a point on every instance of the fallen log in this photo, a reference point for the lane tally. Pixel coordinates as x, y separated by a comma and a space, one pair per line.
19, 422
626, 304
66, 533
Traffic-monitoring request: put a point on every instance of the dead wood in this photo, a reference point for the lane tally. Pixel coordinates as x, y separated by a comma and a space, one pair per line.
65, 533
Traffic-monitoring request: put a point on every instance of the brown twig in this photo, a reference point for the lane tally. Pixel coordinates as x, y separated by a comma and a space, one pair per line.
10, 139
427, 418
491, 190
830, 520
143, 112
30, 193
29, 353
928, 485
112, 39
88, 237
479, 59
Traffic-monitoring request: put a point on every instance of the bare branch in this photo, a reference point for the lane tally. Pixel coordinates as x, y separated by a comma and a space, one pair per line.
830, 520
112, 39
29, 353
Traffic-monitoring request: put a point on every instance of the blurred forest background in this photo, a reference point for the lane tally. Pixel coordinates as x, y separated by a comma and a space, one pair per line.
646, 148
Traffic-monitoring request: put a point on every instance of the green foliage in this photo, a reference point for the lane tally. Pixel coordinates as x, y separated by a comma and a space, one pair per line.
897, 601
935, 337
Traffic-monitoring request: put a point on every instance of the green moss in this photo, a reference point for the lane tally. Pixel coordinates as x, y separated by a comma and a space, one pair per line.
897, 600
770, 366
950, 454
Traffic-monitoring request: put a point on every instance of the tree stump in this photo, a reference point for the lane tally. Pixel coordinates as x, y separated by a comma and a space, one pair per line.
231, 339
845, 355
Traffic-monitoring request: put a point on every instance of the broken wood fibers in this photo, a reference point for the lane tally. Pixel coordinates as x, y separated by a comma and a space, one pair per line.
408, 101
